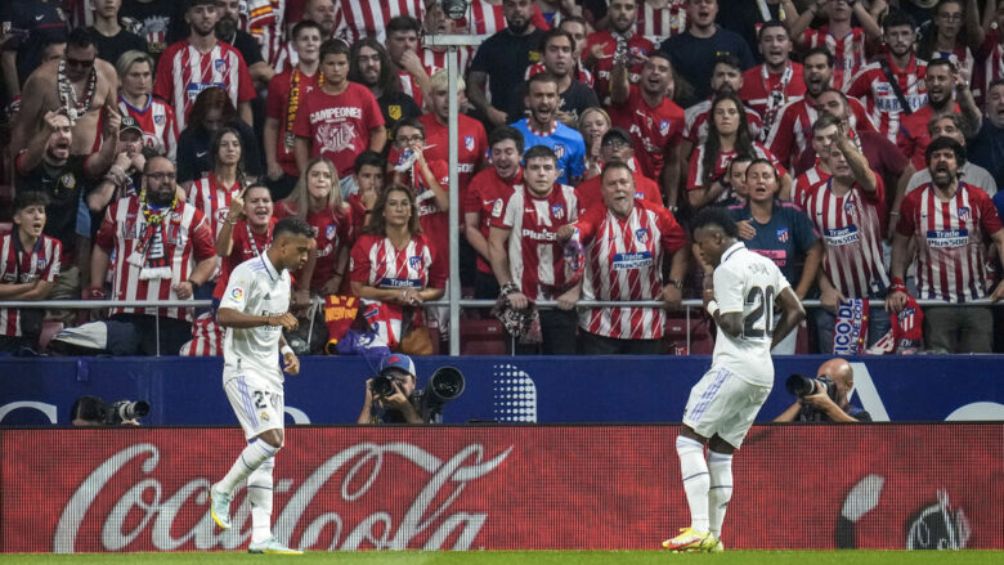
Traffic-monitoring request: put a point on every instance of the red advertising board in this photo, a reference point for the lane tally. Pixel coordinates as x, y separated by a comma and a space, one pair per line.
539, 487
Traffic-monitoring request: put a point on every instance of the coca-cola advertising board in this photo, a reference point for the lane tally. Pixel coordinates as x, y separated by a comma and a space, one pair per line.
503, 487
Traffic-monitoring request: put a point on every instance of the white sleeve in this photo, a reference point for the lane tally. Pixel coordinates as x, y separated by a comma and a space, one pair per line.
239, 289
728, 290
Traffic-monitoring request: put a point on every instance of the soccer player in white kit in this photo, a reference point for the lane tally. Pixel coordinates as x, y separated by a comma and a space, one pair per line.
254, 310
722, 405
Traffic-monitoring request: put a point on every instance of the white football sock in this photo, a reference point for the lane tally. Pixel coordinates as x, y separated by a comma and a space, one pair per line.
696, 482
260, 498
720, 470
250, 459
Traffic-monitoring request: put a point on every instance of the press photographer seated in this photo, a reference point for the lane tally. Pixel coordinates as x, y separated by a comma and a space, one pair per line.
393, 396
827, 399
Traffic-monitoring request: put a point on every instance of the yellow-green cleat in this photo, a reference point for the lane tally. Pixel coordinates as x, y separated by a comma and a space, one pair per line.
692, 541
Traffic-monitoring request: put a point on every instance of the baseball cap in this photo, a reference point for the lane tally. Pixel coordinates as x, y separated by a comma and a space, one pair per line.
400, 362
129, 123
619, 134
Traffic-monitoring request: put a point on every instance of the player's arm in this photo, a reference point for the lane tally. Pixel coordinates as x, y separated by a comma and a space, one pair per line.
726, 309
792, 314
231, 318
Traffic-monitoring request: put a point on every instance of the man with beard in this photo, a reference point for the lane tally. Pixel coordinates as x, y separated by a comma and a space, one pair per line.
558, 47
228, 30
541, 127
948, 220
726, 78
503, 58
321, 12
653, 120
942, 81
201, 61
839, 36
489, 192
108, 34
47, 165
370, 66
604, 48
693, 52
893, 86
792, 131
285, 94
164, 250
769, 86
79, 85
986, 148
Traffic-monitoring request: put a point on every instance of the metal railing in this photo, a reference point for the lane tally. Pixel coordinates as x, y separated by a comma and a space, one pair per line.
686, 306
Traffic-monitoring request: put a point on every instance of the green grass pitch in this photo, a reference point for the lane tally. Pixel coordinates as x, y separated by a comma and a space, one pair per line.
855, 557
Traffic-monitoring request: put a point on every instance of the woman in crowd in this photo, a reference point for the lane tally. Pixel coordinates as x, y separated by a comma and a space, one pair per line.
212, 112
593, 123
728, 136
317, 200
246, 233
213, 192
947, 35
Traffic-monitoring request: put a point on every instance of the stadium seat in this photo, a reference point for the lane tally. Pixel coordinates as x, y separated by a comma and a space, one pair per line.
49, 329
482, 337
701, 340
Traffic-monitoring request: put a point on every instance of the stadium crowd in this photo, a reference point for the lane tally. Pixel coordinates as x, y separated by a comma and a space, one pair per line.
151, 145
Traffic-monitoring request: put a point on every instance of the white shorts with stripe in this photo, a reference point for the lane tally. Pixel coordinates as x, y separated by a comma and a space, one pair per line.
723, 404
259, 407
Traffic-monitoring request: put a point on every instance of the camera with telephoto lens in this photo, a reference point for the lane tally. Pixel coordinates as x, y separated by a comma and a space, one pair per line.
802, 386
125, 410
382, 385
446, 384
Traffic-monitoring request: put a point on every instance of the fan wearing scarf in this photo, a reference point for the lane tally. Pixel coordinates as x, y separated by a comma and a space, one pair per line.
164, 249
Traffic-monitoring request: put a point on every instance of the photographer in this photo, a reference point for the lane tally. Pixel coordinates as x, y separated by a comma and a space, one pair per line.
400, 406
93, 411
828, 401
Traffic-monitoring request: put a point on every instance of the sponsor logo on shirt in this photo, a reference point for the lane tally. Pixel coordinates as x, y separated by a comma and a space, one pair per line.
388, 282
842, 236
337, 112
629, 261
947, 238
539, 236
497, 207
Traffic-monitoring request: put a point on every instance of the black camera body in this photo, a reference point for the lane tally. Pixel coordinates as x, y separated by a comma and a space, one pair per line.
445, 384
802, 386
123, 410
382, 385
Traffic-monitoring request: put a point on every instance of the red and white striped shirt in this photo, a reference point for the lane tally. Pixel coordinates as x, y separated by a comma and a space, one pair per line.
210, 197
582, 74
285, 57
852, 237
695, 129
536, 257
624, 262
183, 72
485, 18
434, 61
410, 87
989, 63
872, 85
264, 22
158, 123
695, 174
637, 46
792, 131
951, 264
243, 248
767, 92
356, 19
487, 197
848, 52
377, 263
807, 182
659, 24
122, 230
19, 266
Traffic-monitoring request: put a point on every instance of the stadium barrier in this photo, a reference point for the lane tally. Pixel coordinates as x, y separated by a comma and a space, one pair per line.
507, 487
329, 390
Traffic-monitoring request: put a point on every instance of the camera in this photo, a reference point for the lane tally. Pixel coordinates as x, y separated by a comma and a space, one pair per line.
446, 384
124, 410
382, 385
802, 386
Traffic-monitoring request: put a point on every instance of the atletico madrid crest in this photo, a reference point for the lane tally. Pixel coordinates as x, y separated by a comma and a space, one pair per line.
782, 235
469, 142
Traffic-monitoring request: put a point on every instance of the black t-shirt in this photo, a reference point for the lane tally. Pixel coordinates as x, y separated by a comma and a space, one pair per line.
397, 106
694, 57
986, 149
504, 57
248, 46
744, 18
574, 101
65, 186
194, 148
153, 22
29, 26
111, 48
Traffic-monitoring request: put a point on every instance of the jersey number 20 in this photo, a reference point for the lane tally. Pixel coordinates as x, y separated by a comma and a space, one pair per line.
763, 299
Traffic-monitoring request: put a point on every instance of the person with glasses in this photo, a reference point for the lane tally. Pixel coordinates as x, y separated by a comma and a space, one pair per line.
164, 250
952, 34
79, 85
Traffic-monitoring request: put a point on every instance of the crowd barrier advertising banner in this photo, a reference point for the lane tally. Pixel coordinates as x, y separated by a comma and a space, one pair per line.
329, 390
893, 486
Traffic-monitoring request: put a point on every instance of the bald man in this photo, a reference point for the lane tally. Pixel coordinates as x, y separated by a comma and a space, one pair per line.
819, 407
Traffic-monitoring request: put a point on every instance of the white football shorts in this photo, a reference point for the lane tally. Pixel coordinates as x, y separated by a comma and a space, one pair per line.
258, 406
723, 404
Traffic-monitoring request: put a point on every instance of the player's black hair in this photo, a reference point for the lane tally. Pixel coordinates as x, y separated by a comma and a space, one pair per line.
820, 51
940, 143
768, 25
715, 216
369, 158
26, 198
540, 152
293, 226
503, 133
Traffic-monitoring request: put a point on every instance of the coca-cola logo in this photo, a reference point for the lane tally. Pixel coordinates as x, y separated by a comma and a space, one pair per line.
145, 510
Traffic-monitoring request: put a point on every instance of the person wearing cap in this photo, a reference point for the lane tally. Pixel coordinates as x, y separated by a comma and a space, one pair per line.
126, 173
617, 145
400, 407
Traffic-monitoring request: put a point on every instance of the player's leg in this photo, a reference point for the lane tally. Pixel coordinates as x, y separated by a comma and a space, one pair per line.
720, 494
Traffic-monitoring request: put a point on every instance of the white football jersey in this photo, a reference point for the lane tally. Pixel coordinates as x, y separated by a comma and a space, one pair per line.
749, 283
255, 287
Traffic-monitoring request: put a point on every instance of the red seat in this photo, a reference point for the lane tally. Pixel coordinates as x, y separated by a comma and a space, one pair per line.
701, 341
482, 337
